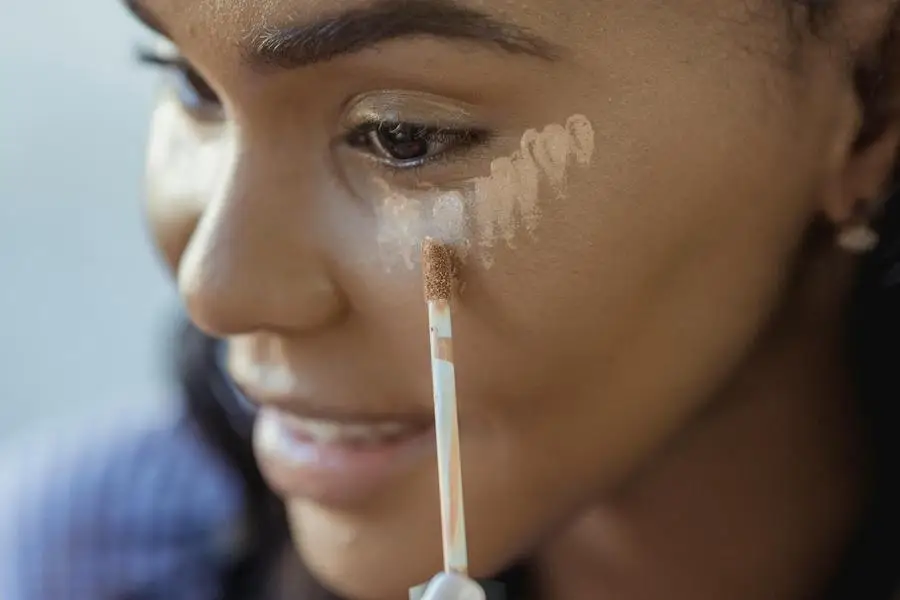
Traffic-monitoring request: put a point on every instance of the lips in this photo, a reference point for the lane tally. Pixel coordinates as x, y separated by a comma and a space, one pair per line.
336, 452
336, 463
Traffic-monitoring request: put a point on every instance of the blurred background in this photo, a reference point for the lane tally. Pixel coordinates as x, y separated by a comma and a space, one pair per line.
85, 307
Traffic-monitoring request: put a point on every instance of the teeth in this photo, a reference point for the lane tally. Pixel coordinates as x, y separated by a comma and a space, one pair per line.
391, 429
319, 431
330, 432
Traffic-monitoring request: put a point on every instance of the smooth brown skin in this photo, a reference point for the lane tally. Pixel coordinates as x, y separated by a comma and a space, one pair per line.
651, 395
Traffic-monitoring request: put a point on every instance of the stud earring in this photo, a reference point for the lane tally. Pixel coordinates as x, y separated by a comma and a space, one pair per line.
857, 236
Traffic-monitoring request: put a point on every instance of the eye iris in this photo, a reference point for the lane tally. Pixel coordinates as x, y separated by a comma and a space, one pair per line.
403, 142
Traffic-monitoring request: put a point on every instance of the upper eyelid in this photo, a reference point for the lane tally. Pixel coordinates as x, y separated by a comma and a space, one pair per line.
162, 56
432, 125
429, 128
467, 136
407, 106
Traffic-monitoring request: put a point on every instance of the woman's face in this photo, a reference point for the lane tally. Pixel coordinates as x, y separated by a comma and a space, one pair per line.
623, 182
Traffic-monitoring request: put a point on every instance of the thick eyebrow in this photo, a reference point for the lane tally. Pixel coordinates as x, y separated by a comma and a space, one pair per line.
354, 30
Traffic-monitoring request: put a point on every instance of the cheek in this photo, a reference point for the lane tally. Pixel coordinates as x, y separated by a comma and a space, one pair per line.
691, 205
646, 285
187, 163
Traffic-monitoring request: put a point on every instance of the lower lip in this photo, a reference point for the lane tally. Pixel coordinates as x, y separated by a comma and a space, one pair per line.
332, 474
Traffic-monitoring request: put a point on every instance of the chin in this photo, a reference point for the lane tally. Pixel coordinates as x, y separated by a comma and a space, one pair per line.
381, 548
366, 557
383, 553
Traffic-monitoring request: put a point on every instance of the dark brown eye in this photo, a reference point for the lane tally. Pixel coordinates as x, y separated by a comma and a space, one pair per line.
401, 141
404, 145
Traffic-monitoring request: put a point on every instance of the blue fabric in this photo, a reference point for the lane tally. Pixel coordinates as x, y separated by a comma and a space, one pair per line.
139, 513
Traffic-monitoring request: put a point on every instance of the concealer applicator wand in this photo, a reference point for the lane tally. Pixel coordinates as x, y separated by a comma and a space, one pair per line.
439, 278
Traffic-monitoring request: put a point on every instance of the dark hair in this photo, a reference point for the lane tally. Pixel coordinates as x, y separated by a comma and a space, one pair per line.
873, 347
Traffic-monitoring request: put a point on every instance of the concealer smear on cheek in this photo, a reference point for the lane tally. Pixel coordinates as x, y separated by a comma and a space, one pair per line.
404, 221
486, 211
509, 200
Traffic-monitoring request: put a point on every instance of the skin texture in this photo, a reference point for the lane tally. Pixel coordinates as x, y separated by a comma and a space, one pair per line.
649, 382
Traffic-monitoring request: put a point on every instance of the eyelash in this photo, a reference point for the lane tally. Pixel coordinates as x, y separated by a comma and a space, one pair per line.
365, 137
194, 93
201, 101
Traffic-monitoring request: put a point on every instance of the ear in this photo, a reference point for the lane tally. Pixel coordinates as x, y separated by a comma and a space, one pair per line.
866, 168
865, 178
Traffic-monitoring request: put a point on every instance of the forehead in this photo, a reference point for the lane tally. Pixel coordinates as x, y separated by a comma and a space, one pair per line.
573, 22
298, 33
236, 20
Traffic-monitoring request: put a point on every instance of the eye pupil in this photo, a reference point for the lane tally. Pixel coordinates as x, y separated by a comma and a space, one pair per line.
402, 141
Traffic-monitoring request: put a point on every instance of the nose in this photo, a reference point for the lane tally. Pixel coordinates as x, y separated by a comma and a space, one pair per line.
250, 263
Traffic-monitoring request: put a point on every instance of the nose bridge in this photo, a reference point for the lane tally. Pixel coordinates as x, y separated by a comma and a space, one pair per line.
252, 262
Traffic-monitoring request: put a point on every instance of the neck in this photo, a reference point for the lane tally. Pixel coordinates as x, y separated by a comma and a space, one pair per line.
755, 502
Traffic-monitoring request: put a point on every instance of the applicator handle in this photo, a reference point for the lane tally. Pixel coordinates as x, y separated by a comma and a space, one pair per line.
494, 590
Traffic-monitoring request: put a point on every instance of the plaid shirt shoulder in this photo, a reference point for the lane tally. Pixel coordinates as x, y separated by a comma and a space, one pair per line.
135, 513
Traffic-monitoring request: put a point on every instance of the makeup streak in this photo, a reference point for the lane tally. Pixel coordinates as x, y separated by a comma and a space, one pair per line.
509, 199
400, 222
486, 210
